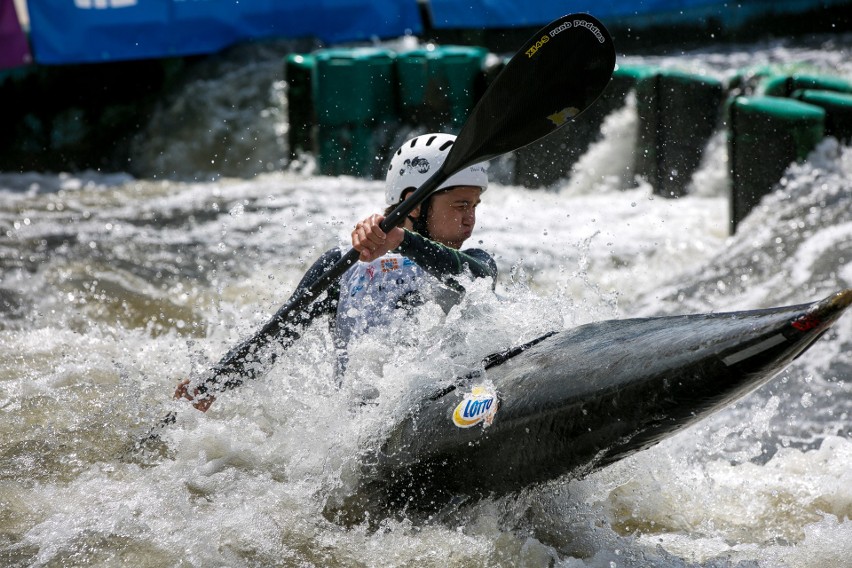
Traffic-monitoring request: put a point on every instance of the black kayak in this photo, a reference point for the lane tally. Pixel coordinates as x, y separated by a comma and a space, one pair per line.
574, 401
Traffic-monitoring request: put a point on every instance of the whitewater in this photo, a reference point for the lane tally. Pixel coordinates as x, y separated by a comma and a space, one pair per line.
114, 287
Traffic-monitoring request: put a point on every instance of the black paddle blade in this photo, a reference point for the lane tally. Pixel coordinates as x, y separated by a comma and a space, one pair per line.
555, 76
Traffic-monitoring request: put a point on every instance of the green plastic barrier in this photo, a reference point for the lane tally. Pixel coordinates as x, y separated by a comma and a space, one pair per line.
354, 95
353, 85
786, 85
766, 134
625, 77
678, 113
298, 70
837, 107
348, 150
746, 81
439, 85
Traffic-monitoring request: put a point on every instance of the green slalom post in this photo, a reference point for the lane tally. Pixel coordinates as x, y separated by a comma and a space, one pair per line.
766, 135
678, 113
298, 70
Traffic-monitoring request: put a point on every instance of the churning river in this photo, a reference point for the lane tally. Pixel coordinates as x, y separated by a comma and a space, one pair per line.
113, 288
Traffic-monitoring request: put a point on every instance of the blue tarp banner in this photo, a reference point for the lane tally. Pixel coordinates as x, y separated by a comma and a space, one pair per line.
456, 14
81, 31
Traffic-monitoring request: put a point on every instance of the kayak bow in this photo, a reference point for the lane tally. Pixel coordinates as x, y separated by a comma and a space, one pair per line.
584, 398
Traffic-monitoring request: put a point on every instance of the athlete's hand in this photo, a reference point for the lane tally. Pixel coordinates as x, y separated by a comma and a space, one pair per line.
371, 242
198, 400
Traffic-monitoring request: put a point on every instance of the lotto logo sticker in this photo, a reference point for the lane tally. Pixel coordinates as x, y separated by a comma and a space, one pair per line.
478, 406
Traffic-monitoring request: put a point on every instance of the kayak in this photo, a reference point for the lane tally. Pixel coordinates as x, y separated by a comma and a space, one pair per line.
577, 400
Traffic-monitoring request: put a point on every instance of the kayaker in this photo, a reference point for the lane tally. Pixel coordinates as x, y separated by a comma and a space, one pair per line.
415, 263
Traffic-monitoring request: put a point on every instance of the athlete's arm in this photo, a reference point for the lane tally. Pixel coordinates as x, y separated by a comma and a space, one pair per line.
443, 261
247, 360
287, 331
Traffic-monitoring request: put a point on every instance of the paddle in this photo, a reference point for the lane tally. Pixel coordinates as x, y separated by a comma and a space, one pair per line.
556, 75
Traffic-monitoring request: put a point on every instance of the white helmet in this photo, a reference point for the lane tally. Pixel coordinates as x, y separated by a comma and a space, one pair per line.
419, 158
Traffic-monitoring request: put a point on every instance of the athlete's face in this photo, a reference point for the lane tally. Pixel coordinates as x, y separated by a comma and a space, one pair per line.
452, 215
